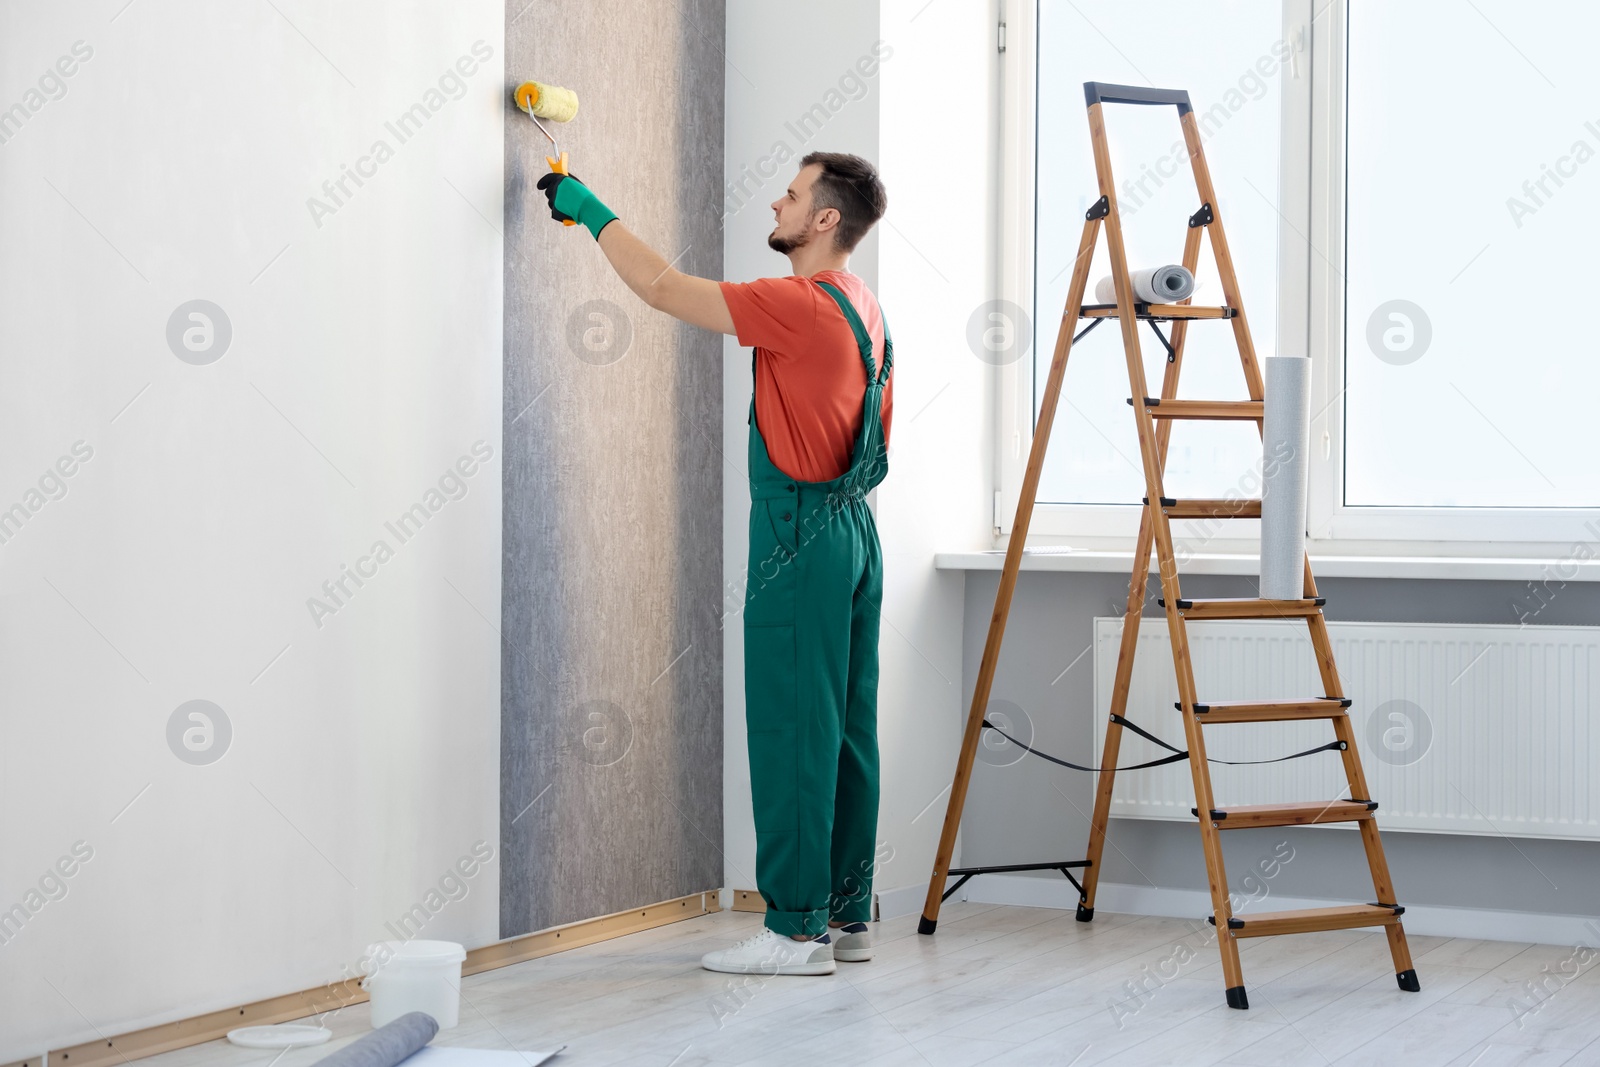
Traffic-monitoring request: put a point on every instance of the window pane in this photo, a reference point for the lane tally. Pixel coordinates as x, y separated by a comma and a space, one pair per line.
1472, 136
1231, 58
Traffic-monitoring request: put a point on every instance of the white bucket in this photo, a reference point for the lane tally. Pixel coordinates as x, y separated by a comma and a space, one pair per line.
406, 976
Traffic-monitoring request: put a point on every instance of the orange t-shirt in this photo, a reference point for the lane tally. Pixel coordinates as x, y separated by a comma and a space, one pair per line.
810, 381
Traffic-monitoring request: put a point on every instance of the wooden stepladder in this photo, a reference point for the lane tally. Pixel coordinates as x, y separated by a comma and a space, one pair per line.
1154, 417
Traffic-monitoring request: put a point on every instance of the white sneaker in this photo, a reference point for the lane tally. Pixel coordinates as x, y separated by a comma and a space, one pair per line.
773, 953
853, 944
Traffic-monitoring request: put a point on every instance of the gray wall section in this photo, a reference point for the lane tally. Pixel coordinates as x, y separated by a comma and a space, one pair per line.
1015, 814
612, 674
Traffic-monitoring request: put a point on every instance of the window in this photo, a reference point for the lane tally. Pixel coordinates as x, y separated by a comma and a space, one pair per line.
1407, 191
1470, 219
1232, 74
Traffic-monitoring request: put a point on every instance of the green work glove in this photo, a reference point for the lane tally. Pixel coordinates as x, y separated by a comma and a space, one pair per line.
571, 199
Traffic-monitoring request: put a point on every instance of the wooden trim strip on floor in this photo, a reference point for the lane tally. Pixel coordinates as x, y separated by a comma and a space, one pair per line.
748, 900
154, 1040
587, 932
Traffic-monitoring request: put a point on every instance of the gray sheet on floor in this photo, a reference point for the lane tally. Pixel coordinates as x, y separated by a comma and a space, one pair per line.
386, 1046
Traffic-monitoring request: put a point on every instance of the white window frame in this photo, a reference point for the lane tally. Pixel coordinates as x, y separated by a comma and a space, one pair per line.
1310, 320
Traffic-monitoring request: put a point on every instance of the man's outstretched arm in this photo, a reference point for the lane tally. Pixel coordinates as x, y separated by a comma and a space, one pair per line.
697, 301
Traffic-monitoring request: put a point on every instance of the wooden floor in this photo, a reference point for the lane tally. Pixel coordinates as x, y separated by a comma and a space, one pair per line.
1017, 986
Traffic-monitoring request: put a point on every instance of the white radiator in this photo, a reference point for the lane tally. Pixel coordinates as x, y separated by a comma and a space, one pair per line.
1464, 729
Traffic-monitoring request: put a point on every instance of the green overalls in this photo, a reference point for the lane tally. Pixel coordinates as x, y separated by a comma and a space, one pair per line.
812, 597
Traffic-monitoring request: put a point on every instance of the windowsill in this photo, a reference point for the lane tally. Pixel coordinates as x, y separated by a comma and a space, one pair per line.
1114, 561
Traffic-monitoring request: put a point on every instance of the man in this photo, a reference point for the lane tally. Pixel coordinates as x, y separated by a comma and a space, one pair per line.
819, 427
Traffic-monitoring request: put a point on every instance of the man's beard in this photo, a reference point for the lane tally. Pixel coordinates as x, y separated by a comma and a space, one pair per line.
786, 245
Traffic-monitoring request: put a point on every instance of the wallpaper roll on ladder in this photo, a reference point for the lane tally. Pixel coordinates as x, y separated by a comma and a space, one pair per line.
388, 1045
1151, 285
1284, 443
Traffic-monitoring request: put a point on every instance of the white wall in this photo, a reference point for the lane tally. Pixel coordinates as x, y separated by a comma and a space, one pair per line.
176, 163
929, 262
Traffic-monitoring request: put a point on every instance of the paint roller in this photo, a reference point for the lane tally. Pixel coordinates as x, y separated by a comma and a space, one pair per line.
540, 101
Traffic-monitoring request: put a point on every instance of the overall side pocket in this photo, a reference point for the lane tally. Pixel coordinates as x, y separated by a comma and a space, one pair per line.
781, 520
771, 711
770, 580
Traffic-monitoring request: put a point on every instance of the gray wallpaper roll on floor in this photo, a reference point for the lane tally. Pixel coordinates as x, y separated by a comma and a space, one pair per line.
611, 719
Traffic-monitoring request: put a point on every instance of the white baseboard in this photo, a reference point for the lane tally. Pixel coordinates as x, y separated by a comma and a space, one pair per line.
1429, 919
906, 900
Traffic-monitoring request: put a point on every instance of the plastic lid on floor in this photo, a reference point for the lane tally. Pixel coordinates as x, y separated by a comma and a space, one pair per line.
284, 1035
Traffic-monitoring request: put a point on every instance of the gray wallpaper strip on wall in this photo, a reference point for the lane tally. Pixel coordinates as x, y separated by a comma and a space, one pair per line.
611, 696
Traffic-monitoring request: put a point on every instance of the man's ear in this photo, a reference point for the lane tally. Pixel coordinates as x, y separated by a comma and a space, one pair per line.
827, 219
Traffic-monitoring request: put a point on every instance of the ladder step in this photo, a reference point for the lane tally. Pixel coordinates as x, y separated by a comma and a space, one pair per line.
1202, 409
1210, 509
1159, 311
1269, 710
1343, 917
1248, 608
1302, 813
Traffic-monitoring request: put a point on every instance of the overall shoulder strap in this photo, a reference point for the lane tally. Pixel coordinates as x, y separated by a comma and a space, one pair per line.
863, 338
888, 349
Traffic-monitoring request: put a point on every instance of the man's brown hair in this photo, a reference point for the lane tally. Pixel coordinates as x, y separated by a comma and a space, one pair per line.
850, 185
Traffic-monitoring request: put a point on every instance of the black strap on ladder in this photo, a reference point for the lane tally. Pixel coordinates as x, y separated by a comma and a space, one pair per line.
1178, 753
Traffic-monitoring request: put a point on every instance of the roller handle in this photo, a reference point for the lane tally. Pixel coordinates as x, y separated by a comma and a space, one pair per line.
559, 166
1107, 93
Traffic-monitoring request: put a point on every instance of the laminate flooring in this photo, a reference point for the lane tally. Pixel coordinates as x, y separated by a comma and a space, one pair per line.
1020, 986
